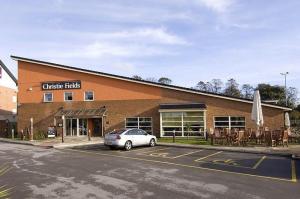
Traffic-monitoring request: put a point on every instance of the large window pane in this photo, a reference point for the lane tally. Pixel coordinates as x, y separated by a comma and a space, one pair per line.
172, 116
192, 123
144, 123
230, 122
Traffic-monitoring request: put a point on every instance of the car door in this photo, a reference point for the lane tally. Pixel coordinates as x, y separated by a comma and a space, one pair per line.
132, 135
143, 137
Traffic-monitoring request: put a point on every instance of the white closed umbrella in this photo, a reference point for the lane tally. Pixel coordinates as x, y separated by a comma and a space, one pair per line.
287, 121
256, 114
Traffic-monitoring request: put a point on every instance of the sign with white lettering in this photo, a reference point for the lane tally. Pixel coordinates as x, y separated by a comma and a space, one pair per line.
61, 85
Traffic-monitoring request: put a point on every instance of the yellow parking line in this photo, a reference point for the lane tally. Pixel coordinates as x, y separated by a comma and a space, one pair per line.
294, 176
186, 154
154, 150
208, 156
182, 165
142, 149
259, 162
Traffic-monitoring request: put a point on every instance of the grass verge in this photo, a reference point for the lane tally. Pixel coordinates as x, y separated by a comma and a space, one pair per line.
193, 141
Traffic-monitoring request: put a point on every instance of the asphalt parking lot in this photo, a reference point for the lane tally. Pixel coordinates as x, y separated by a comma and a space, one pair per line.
158, 172
247, 164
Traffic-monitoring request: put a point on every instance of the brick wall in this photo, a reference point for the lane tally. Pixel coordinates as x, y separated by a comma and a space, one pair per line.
121, 98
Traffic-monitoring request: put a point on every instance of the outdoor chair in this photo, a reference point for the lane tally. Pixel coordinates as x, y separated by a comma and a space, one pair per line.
218, 137
294, 135
259, 135
228, 135
267, 138
285, 138
276, 136
241, 139
251, 135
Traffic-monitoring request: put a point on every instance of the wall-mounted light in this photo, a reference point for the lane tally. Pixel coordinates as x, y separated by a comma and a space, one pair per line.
30, 89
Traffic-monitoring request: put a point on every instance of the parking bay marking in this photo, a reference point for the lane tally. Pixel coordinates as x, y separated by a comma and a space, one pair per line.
294, 176
166, 154
198, 160
230, 162
182, 165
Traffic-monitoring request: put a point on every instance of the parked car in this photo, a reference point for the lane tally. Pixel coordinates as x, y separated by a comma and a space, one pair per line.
128, 138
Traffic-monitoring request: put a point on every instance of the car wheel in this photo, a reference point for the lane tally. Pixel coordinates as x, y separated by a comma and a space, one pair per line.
152, 143
128, 145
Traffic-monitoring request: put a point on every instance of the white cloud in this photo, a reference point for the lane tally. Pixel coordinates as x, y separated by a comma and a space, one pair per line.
142, 35
217, 5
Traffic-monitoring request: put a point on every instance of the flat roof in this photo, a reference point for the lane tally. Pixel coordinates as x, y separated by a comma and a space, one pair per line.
172, 87
183, 106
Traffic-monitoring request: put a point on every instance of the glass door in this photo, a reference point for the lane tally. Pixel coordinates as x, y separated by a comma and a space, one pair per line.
74, 127
68, 127
83, 127
71, 127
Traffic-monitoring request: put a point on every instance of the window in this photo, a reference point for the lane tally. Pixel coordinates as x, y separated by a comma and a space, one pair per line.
68, 96
89, 96
230, 122
183, 123
14, 99
48, 97
133, 132
144, 123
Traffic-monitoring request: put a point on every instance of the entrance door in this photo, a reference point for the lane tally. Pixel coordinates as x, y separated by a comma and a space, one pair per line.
71, 127
83, 126
97, 127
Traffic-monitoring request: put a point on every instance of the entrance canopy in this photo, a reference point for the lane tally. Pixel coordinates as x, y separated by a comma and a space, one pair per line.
82, 113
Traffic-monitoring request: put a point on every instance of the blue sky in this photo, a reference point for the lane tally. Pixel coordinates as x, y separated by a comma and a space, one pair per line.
187, 41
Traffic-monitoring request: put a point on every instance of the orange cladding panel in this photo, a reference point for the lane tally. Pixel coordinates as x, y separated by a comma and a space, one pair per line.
32, 75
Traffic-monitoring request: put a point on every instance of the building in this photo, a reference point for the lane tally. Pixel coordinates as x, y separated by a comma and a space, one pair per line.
8, 100
100, 102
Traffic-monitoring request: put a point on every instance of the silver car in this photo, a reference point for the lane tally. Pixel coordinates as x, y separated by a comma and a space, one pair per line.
128, 138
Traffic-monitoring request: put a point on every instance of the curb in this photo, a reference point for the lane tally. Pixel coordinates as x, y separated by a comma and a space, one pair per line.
17, 142
284, 154
60, 146
56, 146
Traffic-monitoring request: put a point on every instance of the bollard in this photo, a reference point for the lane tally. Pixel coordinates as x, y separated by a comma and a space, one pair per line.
89, 135
173, 136
64, 128
31, 129
13, 133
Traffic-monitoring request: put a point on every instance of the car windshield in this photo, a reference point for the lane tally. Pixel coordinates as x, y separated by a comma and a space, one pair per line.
120, 131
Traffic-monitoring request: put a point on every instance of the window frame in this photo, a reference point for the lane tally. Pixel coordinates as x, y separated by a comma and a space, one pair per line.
139, 126
65, 96
230, 126
88, 99
183, 122
44, 100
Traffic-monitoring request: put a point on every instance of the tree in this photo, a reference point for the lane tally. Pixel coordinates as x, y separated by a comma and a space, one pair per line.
247, 91
217, 85
269, 92
298, 108
232, 88
209, 87
137, 77
292, 98
151, 79
164, 80
202, 86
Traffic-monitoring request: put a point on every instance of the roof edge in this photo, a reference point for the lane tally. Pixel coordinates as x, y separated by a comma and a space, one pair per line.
9, 73
172, 87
